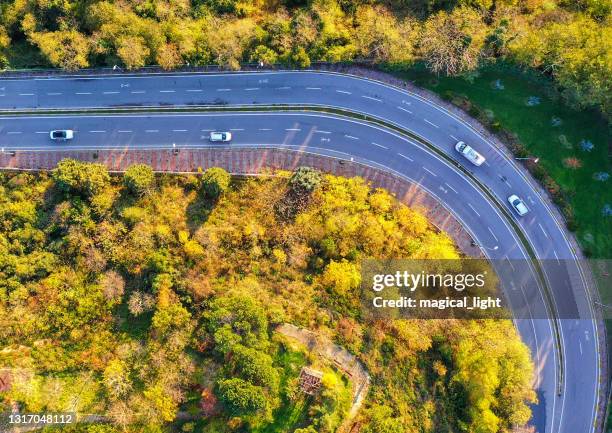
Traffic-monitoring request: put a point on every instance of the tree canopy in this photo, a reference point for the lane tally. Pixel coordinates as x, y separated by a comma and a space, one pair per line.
144, 307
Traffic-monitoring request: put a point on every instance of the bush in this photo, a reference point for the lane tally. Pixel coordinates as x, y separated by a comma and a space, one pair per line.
538, 172
448, 95
139, 178
85, 178
572, 226
215, 181
305, 179
241, 397
474, 111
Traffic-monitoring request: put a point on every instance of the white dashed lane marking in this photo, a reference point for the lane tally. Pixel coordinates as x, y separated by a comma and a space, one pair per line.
193, 90
138, 91
403, 109
343, 91
179, 130
151, 130
313, 88
431, 123
472, 207
380, 145
493, 234
110, 93
451, 188
83, 93
371, 98
406, 157
351, 137
430, 172
166, 91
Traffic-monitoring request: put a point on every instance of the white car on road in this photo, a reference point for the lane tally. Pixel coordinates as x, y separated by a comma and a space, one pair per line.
518, 205
221, 136
470, 154
61, 134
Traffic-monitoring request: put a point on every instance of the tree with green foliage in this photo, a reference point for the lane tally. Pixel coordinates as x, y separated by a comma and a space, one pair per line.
4, 43
333, 403
78, 177
66, 49
240, 319
300, 58
256, 367
264, 55
215, 181
342, 277
382, 421
309, 429
305, 179
139, 179
133, 52
241, 397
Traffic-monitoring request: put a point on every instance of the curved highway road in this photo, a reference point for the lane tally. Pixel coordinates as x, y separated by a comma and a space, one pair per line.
573, 408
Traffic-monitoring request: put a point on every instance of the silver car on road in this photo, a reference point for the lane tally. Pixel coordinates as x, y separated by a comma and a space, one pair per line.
470, 154
518, 205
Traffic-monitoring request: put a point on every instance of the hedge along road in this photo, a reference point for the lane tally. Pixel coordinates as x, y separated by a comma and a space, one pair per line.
573, 411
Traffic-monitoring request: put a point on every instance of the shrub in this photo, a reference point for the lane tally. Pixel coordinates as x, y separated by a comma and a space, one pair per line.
78, 177
448, 95
305, 179
240, 397
572, 163
139, 178
215, 181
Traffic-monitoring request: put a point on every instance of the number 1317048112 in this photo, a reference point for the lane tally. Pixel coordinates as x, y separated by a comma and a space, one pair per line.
38, 418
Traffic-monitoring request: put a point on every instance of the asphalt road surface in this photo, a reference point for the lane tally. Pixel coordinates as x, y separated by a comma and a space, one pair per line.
573, 409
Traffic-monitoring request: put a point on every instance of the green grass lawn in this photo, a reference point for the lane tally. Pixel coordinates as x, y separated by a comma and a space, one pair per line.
528, 106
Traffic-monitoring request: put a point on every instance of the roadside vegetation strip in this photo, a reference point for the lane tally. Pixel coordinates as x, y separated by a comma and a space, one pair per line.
350, 114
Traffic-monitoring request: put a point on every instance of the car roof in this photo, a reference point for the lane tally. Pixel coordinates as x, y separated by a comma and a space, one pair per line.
520, 206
